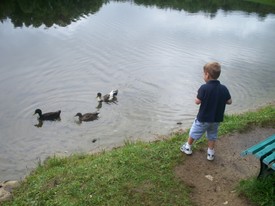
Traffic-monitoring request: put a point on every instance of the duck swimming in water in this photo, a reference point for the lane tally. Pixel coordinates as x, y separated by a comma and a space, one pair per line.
107, 97
87, 116
47, 116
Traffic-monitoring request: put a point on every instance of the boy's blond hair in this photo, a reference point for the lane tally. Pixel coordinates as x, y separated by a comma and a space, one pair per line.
213, 69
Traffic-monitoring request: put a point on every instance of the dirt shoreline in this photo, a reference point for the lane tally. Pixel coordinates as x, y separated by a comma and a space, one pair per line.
227, 169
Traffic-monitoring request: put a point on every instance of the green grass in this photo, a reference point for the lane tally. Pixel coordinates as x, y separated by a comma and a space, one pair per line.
138, 173
259, 191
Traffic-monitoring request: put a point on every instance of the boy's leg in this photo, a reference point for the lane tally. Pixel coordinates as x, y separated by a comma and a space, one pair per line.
196, 131
211, 144
212, 134
190, 140
187, 146
210, 150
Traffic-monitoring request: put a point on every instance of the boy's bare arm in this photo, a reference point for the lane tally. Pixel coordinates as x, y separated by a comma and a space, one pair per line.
229, 101
197, 101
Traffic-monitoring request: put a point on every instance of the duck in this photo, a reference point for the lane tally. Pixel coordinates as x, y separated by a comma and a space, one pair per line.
87, 116
47, 116
107, 97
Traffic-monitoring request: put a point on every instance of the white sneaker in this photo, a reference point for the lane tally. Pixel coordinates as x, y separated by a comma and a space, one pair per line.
186, 149
210, 157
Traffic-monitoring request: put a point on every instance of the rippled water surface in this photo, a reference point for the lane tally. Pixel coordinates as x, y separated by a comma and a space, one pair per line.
154, 57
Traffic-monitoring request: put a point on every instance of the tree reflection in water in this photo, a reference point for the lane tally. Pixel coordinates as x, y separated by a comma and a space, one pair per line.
37, 13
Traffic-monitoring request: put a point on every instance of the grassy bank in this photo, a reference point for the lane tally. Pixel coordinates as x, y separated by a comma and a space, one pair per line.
136, 174
259, 191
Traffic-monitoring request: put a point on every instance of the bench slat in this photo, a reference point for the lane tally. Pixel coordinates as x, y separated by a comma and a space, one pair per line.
254, 149
270, 158
266, 150
273, 166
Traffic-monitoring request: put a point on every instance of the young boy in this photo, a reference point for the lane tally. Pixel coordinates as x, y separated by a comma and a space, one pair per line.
212, 98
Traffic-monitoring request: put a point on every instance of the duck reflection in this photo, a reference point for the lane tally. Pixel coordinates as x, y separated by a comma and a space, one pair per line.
49, 116
39, 124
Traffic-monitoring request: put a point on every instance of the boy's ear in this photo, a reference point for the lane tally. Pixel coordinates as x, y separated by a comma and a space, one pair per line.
207, 75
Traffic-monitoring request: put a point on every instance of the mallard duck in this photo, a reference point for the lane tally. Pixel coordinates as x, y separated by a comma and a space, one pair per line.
107, 97
48, 116
87, 117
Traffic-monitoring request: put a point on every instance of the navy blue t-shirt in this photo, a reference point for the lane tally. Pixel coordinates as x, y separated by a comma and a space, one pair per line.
213, 96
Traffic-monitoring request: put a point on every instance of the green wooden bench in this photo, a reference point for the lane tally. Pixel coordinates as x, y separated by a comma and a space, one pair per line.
265, 152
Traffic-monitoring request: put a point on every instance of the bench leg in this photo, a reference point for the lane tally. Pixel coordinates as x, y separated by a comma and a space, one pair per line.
264, 170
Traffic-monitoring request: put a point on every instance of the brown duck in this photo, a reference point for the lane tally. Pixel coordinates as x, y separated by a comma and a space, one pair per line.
87, 116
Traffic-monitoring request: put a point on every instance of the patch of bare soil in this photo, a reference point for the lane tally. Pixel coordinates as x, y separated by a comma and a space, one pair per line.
213, 182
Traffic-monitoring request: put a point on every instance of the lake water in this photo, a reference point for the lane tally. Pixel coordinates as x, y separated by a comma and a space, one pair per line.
153, 56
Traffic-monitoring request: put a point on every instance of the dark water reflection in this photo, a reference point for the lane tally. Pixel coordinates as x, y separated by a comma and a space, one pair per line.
153, 56
38, 12
64, 12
